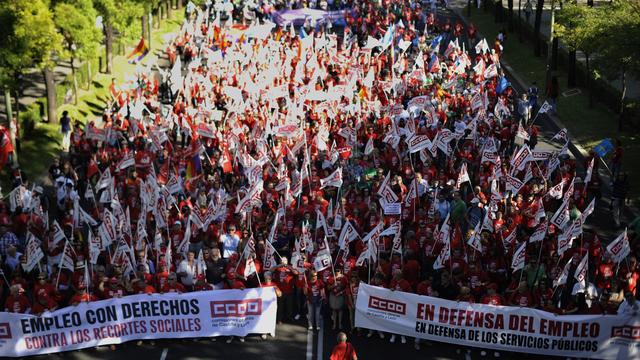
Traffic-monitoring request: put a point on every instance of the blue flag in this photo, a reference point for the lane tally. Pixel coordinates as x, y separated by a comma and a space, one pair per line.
503, 84
436, 42
603, 147
303, 34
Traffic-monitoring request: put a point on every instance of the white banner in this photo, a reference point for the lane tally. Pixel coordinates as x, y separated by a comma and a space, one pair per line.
156, 316
498, 327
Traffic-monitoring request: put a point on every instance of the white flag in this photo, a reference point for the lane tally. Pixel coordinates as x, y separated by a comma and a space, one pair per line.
564, 275
443, 257
539, 233
619, 248
335, 179
556, 191
561, 135
369, 148
474, 240
463, 176
66, 261
587, 177
347, 235
581, 270
322, 261
545, 108
518, 257
269, 259
34, 252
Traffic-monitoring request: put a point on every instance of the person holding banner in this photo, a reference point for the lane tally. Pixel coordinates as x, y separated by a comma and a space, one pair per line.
630, 306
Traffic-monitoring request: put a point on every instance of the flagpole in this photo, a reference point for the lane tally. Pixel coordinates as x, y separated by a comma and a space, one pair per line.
61, 263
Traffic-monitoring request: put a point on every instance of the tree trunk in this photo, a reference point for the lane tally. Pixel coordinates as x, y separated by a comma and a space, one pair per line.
89, 76
536, 28
50, 85
75, 82
623, 79
145, 25
17, 96
168, 6
554, 53
510, 4
13, 131
160, 15
590, 3
178, 4
7, 104
588, 80
108, 45
571, 76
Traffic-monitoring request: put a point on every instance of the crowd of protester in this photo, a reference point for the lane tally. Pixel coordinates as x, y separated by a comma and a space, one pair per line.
221, 189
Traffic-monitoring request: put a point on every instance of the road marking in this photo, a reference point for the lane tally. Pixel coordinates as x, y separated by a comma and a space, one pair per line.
320, 340
310, 344
164, 354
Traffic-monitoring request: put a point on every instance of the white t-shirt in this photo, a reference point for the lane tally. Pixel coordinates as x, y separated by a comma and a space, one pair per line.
229, 245
190, 270
626, 309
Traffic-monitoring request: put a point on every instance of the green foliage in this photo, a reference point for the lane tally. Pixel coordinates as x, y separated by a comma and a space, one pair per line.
75, 20
611, 31
618, 46
28, 37
578, 27
122, 14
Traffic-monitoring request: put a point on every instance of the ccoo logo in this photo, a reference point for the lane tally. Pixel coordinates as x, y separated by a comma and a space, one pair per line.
387, 305
5, 331
627, 332
236, 308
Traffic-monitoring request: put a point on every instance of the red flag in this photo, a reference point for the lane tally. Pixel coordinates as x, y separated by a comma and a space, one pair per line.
227, 167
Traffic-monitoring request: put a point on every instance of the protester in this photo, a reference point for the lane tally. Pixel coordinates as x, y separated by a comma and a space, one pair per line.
343, 350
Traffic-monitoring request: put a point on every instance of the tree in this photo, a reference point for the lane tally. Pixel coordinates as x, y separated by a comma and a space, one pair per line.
75, 20
117, 16
536, 30
618, 47
578, 26
28, 39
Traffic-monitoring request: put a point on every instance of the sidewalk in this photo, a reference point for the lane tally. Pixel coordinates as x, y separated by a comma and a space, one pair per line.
553, 125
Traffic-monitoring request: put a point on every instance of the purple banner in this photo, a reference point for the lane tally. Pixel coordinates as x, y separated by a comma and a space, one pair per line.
299, 16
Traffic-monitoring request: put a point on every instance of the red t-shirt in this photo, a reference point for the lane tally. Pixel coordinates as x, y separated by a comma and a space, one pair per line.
343, 351
285, 279
176, 288
17, 304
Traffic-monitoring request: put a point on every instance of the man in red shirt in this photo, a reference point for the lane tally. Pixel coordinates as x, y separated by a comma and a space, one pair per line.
43, 303
522, 296
172, 285
82, 296
343, 350
492, 298
285, 276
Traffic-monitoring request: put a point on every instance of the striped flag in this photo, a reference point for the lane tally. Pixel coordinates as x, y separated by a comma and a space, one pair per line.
139, 52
